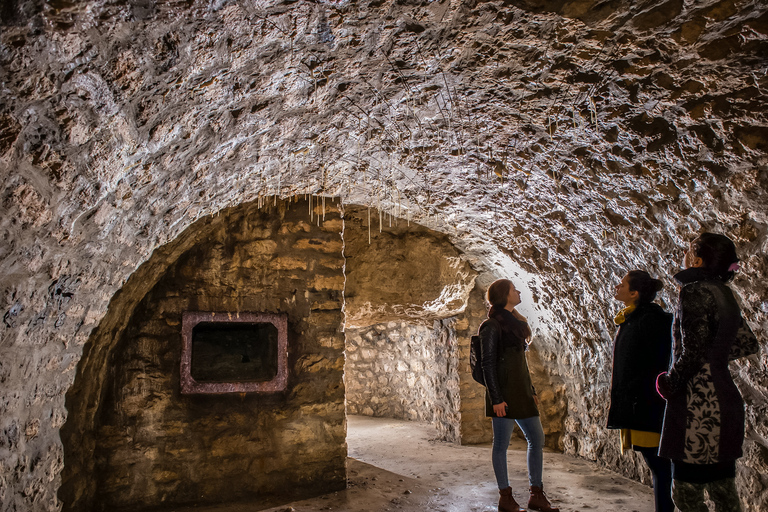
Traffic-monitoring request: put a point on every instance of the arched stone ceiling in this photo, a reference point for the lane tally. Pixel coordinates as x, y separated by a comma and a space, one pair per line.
572, 139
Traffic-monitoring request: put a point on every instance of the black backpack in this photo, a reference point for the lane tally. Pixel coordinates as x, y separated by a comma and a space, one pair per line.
475, 354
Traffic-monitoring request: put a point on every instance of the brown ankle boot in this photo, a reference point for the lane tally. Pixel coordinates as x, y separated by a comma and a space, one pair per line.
538, 501
507, 503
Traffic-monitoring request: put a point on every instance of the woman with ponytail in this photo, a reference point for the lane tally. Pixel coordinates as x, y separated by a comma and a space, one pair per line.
510, 397
704, 419
641, 350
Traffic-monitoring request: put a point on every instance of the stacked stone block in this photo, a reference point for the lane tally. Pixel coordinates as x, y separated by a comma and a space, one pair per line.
405, 371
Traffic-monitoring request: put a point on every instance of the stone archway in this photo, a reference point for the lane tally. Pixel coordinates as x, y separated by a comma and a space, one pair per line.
412, 301
133, 440
405, 287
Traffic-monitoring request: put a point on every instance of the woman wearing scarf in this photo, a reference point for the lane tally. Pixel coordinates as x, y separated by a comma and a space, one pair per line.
510, 397
641, 350
704, 419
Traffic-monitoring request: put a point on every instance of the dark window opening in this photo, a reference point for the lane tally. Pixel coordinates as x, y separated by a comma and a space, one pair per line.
242, 352
234, 352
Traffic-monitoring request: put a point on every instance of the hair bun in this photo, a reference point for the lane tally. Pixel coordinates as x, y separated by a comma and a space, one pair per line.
646, 286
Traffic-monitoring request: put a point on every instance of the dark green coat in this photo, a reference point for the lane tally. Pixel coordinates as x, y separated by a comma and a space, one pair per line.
505, 369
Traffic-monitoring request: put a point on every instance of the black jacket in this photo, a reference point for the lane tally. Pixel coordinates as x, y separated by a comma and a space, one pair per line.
505, 367
641, 351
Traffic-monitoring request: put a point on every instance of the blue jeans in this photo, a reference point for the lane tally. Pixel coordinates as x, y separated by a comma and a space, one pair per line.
534, 434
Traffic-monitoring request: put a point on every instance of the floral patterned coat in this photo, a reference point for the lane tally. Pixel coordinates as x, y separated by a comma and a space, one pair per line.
704, 417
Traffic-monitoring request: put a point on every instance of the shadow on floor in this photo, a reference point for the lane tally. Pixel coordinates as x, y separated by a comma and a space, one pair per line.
397, 465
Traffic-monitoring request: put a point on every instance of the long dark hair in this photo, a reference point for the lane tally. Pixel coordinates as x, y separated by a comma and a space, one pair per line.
497, 296
498, 293
718, 253
641, 282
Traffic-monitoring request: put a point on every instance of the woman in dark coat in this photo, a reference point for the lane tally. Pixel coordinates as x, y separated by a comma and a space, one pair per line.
510, 396
704, 419
641, 350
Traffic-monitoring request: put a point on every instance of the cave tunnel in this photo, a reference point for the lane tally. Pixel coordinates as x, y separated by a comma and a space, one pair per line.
364, 169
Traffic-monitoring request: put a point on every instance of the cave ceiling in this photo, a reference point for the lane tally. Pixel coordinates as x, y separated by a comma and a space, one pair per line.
574, 139
545, 128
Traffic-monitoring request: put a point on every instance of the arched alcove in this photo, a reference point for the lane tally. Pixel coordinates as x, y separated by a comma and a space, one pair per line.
133, 440
405, 287
412, 301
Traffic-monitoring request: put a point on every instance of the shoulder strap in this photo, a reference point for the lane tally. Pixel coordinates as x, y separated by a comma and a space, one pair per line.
489, 320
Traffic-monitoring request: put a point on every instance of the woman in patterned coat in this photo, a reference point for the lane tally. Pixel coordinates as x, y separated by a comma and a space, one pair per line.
704, 418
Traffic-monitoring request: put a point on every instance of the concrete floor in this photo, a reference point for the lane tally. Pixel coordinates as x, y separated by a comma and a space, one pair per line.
397, 466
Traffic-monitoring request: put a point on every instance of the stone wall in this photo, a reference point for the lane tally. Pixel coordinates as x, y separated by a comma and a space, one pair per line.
409, 277
133, 441
405, 371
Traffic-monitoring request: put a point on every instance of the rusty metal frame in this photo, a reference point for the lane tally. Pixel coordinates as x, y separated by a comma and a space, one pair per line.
190, 386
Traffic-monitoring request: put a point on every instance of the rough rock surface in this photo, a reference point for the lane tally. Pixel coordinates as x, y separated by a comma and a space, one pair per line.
571, 139
397, 270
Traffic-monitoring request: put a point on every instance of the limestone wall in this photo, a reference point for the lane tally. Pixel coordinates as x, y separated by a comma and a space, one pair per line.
133, 441
405, 371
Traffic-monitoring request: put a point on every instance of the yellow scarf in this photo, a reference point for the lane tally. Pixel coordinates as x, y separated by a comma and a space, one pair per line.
622, 315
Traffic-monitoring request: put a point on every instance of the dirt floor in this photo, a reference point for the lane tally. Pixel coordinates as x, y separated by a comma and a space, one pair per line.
398, 466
